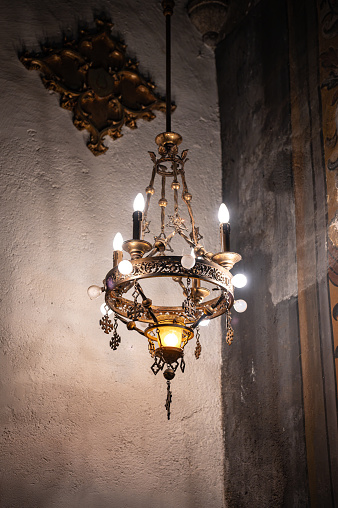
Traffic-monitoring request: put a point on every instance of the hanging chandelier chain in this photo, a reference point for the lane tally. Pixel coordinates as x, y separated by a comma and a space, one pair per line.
230, 332
188, 305
168, 9
169, 400
186, 196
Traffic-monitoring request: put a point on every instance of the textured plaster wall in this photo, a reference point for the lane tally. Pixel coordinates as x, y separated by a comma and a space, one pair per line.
82, 425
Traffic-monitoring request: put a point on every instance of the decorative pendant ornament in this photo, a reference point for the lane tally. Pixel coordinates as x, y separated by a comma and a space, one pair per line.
106, 324
168, 328
116, 339
198, 348
230, 332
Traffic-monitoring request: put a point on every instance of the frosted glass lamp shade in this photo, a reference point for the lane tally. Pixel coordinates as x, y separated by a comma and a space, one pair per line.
170, 336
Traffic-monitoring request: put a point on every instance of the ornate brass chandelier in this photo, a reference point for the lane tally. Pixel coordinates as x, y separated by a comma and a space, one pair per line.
167, 329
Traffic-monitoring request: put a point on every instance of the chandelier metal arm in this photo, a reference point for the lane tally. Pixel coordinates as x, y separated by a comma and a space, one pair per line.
179, 281
146, 302
200, 319
187, 239
186, 196
130, 324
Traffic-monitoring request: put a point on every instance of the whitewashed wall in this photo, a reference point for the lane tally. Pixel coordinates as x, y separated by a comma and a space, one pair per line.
82, 425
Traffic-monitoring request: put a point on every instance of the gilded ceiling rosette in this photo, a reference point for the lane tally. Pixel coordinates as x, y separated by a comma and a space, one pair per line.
98, 82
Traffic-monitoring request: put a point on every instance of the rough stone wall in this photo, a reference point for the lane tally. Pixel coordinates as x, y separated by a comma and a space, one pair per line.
262, 386
279, 386
82, 425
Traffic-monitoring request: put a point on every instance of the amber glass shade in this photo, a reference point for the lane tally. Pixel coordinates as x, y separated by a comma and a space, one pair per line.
170, 336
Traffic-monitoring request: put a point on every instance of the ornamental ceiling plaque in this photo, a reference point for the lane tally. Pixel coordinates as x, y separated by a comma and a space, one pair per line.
98, 82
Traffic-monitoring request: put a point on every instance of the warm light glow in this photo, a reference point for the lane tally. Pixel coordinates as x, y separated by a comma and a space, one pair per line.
240, 305
125, 267
139, 203
223, 214
170, 337
239, 280
117, 242
94, 292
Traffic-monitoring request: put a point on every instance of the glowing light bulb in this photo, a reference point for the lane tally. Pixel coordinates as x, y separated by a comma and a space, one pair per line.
205, 322
170, 338
188, 260
240, 305
117, 242
223, 214
239, 280
125, 267
139, 203
94, 292
105, 310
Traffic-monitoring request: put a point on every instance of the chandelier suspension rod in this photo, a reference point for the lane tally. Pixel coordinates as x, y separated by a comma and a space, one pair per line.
168, 6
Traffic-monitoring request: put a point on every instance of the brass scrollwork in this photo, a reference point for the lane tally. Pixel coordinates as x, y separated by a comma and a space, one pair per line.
98, 82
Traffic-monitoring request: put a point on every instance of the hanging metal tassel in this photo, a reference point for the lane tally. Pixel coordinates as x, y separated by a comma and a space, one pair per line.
198, 348
230, 332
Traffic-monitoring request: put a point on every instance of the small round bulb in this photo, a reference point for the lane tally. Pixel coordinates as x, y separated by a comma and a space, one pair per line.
125, 267
94, 292
188, 261
139, 203
205, 322
117, 242
239, 280
105, 309
240, 305
223, 214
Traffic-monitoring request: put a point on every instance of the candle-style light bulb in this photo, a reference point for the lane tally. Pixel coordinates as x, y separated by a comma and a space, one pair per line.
138, 216
223, 214
224, 217
117, 242
139, 203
